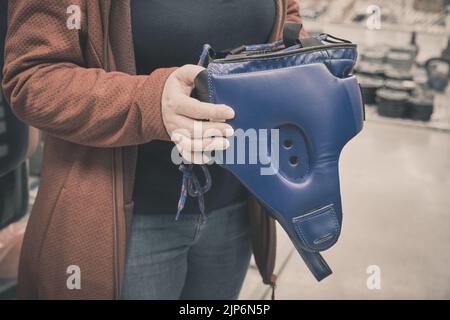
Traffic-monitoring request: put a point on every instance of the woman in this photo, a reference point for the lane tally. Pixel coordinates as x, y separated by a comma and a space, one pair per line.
98, 92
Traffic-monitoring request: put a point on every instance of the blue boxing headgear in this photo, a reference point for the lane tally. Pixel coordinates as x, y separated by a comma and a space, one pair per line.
305, 91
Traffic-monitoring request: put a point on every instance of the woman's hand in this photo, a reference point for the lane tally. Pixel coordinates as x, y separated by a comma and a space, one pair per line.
194, 126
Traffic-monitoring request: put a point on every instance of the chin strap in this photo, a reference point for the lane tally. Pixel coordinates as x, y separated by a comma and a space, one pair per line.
316, 264
273, 285
191, 186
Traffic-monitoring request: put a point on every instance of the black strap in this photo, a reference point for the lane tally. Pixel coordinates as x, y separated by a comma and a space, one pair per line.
316, 264
274, 287
310, 42
291, 34
332, 39
291, 37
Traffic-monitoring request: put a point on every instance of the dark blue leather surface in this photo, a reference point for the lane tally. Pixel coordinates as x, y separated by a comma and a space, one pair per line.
316, 104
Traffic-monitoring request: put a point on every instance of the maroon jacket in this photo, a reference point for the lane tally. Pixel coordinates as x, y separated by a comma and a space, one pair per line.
80, 88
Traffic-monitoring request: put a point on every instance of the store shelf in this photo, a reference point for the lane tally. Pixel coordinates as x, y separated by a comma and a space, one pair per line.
397, 16
440, 119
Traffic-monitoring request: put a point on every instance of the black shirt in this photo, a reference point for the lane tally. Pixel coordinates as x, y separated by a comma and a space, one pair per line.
171, 33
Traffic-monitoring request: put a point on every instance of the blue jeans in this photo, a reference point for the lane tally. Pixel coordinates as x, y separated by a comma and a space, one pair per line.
194, 258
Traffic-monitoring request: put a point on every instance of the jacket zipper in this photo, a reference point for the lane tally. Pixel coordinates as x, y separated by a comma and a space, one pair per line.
119, 217
116, 267
116, 264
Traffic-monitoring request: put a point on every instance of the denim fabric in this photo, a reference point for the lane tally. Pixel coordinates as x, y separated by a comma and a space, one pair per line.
194, 258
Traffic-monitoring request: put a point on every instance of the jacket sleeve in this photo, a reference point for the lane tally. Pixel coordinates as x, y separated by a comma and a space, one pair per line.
49, 87
293, 14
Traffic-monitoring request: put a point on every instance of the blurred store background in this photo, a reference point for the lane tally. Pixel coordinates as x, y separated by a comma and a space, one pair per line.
395, 176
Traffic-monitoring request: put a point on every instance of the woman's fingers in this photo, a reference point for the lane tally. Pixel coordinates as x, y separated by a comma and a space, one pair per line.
200, 145
195, 129
192, 108
194, 157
